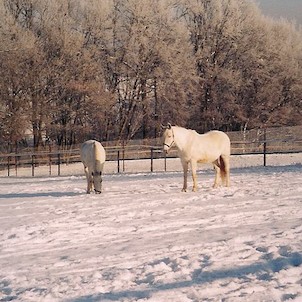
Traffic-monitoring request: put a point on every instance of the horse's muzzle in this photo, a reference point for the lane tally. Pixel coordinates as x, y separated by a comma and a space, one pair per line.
166, 148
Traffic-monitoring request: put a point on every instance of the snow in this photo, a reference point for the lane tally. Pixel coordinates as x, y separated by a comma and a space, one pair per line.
143, 239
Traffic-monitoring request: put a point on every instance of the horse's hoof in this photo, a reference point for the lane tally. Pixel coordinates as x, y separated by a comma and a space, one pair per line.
184, 190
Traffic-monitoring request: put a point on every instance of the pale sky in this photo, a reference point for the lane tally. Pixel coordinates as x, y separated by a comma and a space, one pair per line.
289, 9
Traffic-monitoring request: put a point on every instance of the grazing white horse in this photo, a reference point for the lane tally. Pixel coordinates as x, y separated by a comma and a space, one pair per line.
211, 147
93, 157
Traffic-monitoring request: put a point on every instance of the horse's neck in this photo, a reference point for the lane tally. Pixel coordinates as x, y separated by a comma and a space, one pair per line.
181, 136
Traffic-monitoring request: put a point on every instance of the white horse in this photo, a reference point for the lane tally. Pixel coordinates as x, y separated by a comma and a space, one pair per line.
93, 157
211, 147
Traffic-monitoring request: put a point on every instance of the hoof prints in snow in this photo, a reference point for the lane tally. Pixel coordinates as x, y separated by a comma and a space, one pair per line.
142, 239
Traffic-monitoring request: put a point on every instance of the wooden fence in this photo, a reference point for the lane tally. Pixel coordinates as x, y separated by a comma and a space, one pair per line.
53, 160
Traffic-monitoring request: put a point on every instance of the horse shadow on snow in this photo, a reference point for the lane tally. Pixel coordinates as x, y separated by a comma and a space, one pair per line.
40, 194
263, 271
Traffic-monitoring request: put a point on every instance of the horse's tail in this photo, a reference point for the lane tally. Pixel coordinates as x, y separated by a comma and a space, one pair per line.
223, 171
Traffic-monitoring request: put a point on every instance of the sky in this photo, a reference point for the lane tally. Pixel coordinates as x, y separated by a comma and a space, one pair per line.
289, 9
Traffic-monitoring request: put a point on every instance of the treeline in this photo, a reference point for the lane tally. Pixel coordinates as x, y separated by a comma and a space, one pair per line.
116, 69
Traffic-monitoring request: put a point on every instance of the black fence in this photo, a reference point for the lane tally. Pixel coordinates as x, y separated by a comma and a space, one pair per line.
53, 161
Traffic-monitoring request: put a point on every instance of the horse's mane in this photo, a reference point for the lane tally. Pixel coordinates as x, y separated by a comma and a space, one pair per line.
187, 129
194, 131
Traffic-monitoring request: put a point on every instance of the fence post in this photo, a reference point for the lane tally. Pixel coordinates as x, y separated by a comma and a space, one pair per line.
123, 156
264, 148
8, 166
59, 164
49, 164
49, 142
118, 161
16, 165
152, 151
33, 165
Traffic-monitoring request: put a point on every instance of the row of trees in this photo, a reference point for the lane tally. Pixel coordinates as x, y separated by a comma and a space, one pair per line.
117, 69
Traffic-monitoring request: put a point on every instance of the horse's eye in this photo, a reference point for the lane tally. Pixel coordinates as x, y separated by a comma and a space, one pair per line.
92, 173
101, 173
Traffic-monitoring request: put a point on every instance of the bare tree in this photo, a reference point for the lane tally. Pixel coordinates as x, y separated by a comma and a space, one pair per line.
117, 69
16, 42
136, 45
240, 63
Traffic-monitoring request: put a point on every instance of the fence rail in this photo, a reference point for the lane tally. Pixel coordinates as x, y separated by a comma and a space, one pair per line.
53, 160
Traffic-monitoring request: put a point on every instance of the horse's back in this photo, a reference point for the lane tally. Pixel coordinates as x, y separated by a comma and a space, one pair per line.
221, 141
92, 151
218, 139
209, 146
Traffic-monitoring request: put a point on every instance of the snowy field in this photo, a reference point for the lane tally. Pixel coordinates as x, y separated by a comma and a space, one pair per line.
144, 240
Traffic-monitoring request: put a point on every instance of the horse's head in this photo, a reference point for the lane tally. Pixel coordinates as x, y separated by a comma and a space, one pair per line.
97, 181
168, 137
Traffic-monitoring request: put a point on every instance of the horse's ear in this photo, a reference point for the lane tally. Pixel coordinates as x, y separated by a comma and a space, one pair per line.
163, 127
169, 126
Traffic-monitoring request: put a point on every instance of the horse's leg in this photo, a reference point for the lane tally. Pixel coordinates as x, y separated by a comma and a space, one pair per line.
194, 177
217, 173
88, 178
90, 183
226, 163
185, 169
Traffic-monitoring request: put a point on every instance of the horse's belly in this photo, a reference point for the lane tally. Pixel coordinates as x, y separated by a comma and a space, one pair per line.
206, 159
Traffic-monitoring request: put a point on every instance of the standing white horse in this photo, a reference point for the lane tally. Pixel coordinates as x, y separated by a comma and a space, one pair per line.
93, 157
211, 147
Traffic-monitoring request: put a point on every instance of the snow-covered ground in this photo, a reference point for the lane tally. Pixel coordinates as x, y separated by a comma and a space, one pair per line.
144, 240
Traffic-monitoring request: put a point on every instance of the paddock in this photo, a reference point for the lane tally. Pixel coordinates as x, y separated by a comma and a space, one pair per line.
144, 240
